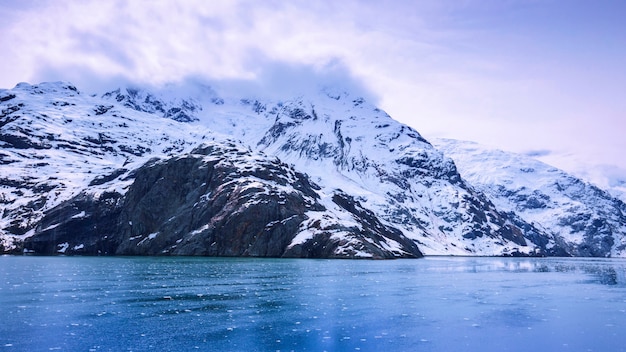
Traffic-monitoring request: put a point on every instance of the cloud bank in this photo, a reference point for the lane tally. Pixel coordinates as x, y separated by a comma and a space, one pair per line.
235, 44
520, 75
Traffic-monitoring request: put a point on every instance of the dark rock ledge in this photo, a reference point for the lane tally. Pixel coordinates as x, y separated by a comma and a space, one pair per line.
219, 200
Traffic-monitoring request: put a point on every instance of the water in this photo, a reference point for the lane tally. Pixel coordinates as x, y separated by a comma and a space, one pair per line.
432, 304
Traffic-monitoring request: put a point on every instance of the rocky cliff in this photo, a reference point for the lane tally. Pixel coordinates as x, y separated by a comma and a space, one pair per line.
219, 200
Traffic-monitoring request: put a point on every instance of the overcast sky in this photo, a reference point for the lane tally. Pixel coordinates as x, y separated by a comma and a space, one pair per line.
543, 77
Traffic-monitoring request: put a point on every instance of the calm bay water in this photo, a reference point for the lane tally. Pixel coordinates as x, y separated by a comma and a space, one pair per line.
230, 304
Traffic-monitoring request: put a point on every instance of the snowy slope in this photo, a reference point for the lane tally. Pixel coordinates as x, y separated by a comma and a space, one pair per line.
588, 220
56, 142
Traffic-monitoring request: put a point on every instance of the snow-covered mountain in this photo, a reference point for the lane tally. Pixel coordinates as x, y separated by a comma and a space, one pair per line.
378, 188
343, 142
584, 219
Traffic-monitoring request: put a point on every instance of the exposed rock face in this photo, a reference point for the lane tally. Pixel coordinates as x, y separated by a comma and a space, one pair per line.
85, 224
204, 204
219, 200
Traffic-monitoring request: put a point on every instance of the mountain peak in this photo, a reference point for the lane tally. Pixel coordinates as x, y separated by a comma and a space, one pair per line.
48, 88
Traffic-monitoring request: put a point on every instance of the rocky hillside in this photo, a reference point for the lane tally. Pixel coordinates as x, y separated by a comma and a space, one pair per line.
218, 200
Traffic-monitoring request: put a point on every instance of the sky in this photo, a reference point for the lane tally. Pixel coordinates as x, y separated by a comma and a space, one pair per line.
541, 77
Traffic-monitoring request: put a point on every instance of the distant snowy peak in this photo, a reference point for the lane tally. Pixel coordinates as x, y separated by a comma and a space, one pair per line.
181, 110
57, 88
588, 220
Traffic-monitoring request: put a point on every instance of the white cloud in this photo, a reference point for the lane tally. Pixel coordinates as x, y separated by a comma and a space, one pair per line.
158, 41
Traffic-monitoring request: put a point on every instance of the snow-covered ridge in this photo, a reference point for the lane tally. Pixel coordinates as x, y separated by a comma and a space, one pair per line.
587, 220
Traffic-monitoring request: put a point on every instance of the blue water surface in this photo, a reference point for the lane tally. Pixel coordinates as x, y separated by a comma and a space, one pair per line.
243, 304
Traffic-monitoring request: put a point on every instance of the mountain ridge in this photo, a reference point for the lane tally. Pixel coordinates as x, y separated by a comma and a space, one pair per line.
589, 219
385, 174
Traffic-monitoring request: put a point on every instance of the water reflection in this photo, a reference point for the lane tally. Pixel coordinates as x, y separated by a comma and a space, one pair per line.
602, 271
